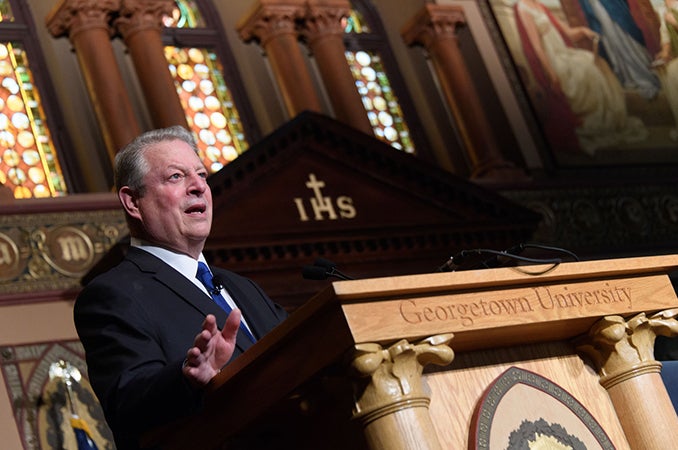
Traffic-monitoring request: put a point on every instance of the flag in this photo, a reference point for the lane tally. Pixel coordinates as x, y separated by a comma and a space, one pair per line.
83, 435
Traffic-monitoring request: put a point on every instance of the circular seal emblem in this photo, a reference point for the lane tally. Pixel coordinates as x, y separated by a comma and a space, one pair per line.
69, 250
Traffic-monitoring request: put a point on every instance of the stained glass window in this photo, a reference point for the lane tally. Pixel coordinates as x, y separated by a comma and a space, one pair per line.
186, 14
28, 160
355, 23
373, 84
199, 78
379, 101
209, 107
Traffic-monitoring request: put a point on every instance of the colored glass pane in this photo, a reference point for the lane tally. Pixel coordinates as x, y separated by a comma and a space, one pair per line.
379, 100
28, 163
208, 104
6, 11
185, 15
355, 23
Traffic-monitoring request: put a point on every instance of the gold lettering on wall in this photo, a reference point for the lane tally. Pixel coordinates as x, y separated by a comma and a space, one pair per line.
323, 207
72, 248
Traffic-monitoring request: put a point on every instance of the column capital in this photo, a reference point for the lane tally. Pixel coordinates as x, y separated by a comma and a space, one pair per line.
70, 17
269, 19
623, 349
395, 374
324, 19
140, 15
433, 22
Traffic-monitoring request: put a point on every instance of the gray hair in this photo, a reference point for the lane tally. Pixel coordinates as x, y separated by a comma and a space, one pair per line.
130, 163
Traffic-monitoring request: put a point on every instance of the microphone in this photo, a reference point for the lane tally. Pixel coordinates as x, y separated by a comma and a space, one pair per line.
218, 284
314, 273
324, 263
453, 263
322, 269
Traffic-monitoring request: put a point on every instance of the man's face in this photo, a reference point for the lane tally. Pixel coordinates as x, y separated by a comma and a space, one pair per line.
175, 209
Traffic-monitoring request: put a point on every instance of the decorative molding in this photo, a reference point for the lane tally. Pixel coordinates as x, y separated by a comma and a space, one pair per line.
52, 251
605, 219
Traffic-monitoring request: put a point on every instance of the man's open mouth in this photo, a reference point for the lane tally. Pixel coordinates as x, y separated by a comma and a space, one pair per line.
196, 209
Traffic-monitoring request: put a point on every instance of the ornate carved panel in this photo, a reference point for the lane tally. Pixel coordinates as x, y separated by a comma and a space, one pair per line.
606, 219
51, 251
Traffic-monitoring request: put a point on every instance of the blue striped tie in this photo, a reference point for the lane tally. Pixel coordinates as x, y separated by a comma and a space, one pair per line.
205, 277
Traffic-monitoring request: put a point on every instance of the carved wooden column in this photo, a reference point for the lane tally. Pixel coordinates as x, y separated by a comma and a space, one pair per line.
272, 23
323, 32
140, 24
434, 27
623, 350
86, 23
392, 398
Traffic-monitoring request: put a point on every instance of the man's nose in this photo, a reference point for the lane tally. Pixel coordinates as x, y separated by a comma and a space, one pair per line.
197, 183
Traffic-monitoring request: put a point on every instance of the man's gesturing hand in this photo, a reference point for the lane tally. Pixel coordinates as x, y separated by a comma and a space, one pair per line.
212, 349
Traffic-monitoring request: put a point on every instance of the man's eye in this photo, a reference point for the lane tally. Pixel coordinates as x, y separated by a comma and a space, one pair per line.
175, 176
203, 175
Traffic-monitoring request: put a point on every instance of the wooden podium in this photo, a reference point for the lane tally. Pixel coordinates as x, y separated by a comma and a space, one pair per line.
456, 360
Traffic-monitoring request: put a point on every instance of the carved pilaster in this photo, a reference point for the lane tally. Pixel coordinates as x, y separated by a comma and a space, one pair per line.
273, 25
435, 28
323, 31
392, 397
623, 351
87, 25
140, 24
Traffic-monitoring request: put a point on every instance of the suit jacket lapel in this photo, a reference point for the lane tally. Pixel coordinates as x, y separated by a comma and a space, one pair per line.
184, 289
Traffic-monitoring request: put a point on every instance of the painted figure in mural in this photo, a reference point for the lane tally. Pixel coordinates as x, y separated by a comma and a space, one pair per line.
585, 101
667, 59
623, 45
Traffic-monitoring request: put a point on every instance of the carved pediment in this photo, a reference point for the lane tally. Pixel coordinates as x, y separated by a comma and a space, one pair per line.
316, 176
317, 188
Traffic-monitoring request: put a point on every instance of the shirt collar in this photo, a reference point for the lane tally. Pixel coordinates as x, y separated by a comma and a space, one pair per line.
182, 263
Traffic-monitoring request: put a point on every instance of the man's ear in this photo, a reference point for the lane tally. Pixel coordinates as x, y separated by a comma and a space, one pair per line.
129, 200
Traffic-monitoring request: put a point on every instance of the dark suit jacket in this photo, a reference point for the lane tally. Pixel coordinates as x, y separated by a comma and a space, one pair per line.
137, 321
